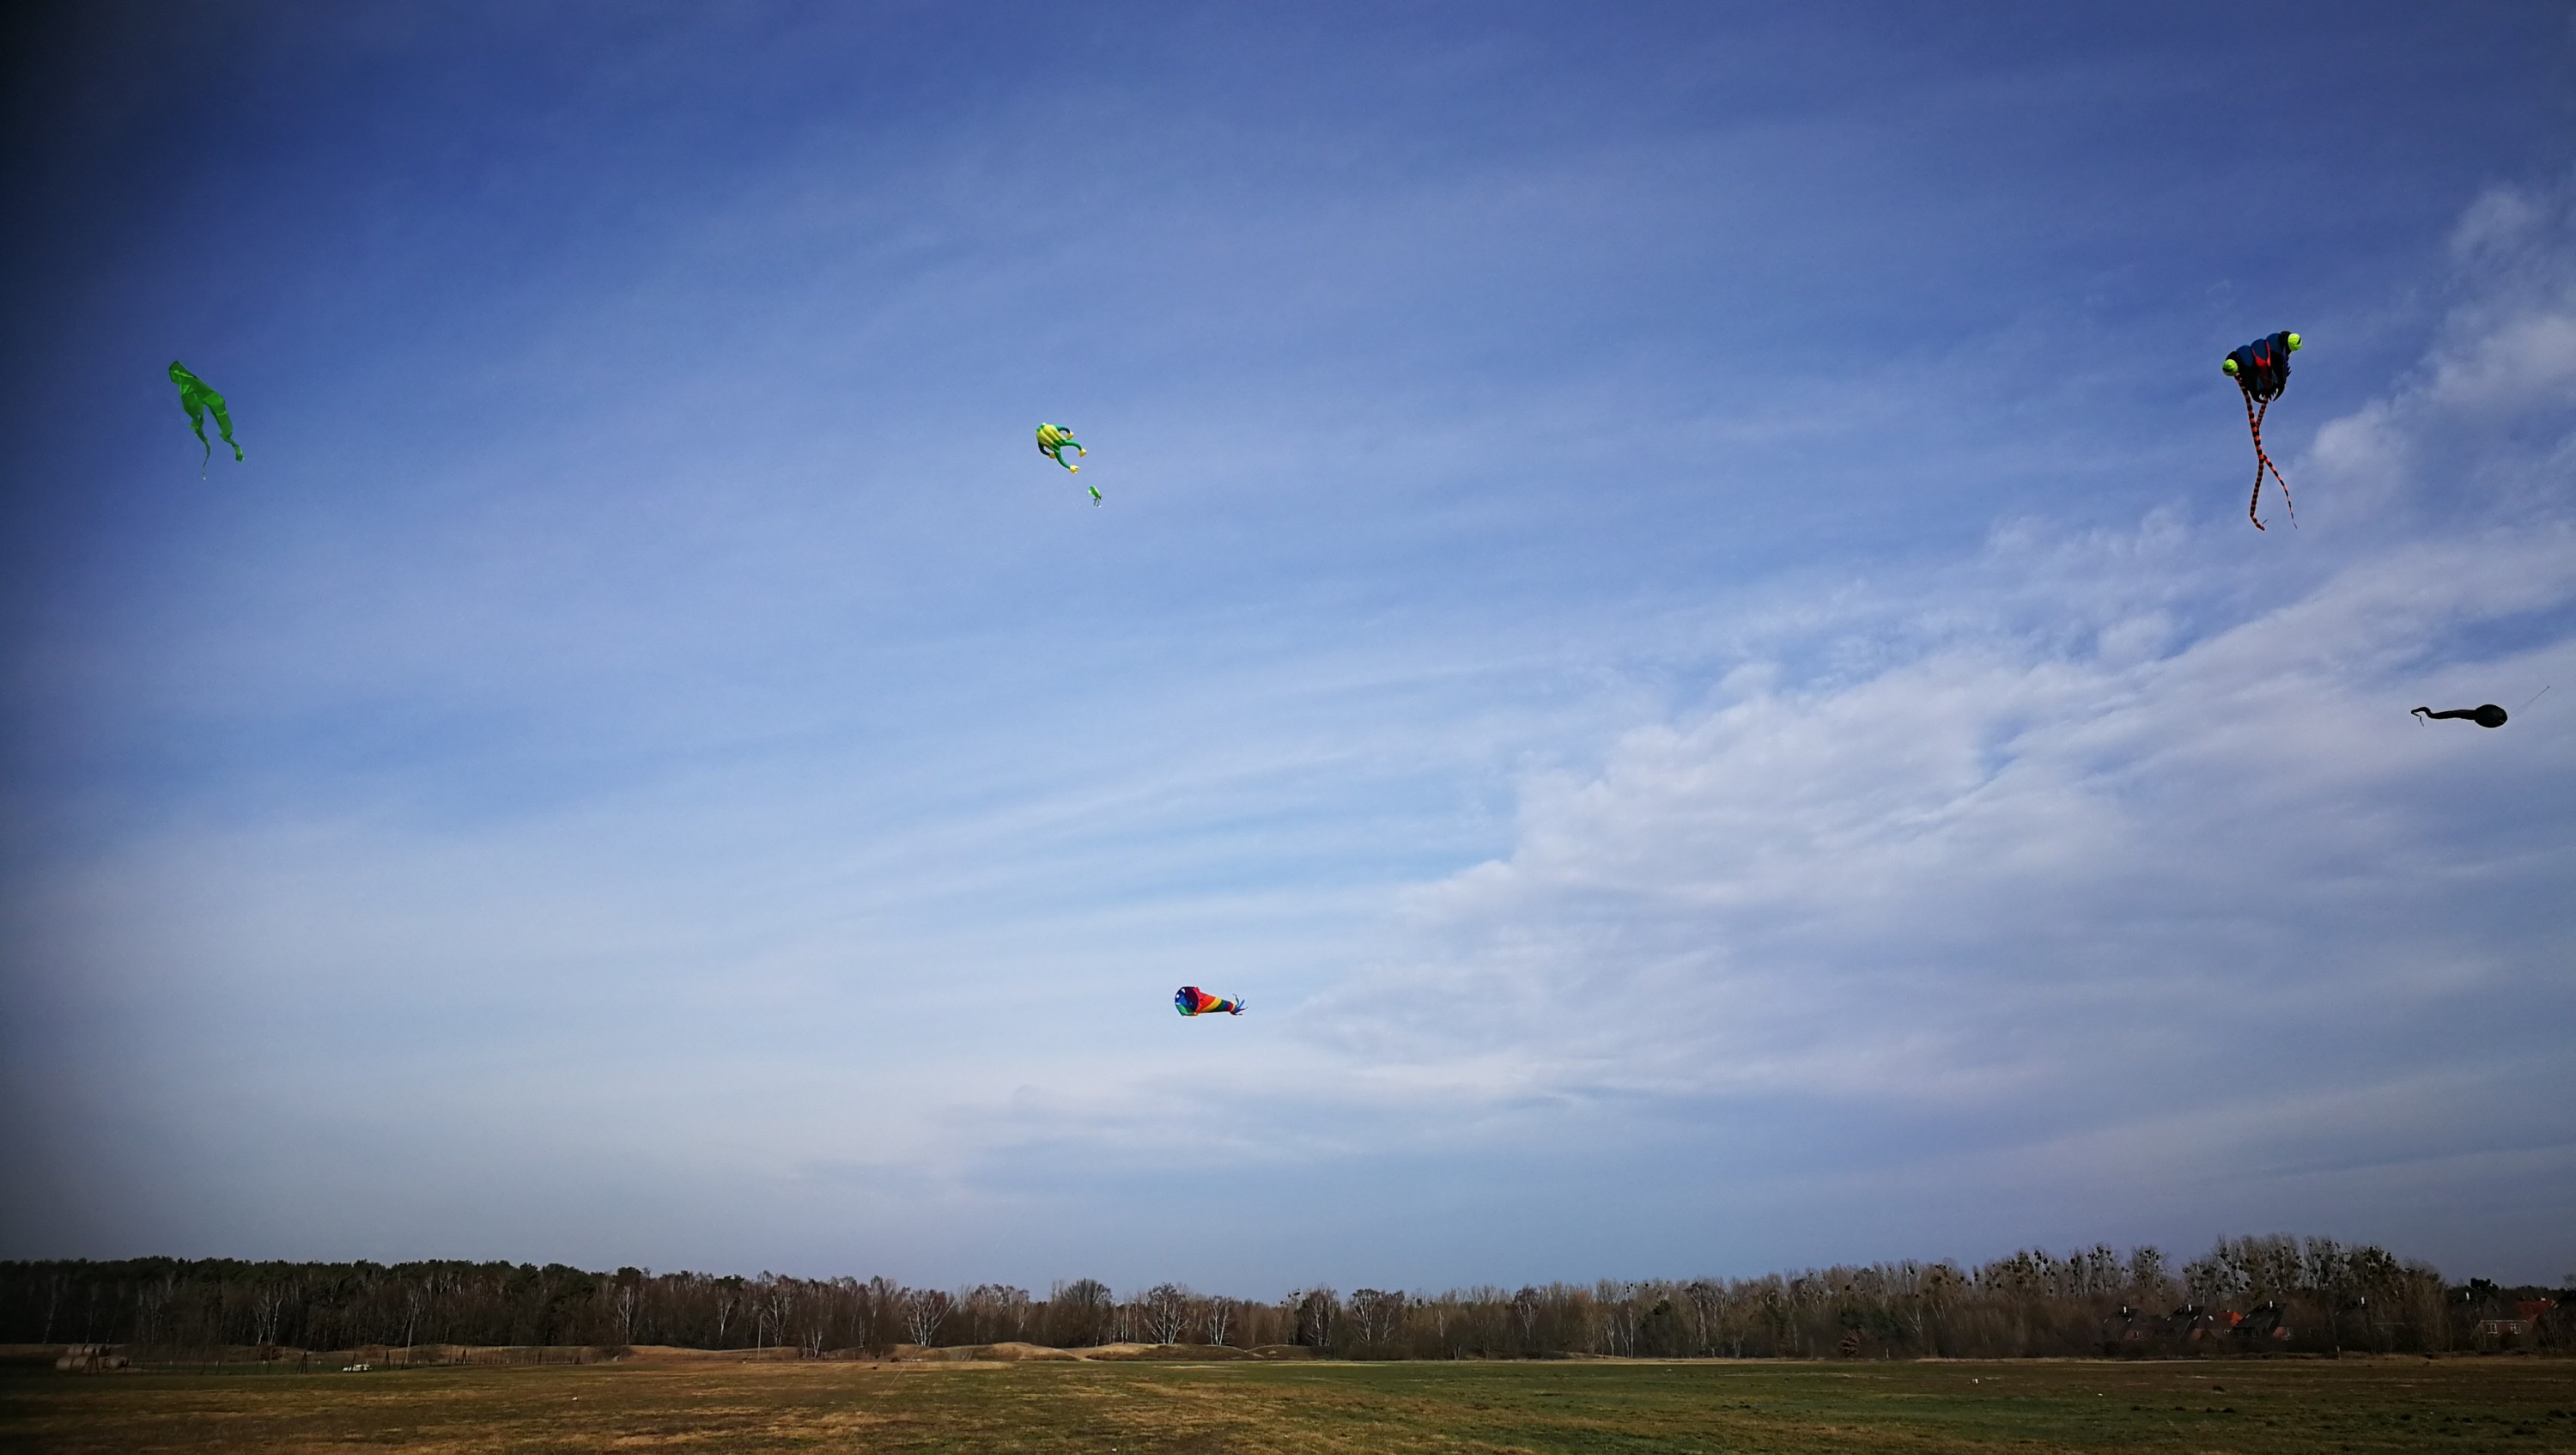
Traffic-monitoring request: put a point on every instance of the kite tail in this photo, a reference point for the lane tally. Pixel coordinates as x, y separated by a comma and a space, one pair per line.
2286, 503
2254, 426
2263, 462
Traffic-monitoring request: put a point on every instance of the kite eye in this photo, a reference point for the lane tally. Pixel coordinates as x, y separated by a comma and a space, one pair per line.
2229, 366
2293, 341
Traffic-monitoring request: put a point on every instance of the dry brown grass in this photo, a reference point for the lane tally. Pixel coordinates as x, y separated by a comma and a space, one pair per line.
676, 1401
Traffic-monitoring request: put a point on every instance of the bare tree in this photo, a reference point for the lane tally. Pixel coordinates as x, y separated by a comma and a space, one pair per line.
1317, 1309
993, 1312
1380, 1316
1165, 1309
728, 1294
772, 1297
924, 1310
266, 1306
2250, 1295
1216, 1318
1706, 1302
1078, 1313
629, 1297
1617, 1303
2210, 1280
2148, 1282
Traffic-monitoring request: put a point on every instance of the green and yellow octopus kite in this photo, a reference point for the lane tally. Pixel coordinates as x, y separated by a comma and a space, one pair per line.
1051, 442
197, 397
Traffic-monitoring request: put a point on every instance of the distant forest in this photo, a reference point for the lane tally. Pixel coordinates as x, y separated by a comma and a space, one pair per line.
2248, 1295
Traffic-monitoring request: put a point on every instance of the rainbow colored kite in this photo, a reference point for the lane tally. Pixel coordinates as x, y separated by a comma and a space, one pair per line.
1190, 1000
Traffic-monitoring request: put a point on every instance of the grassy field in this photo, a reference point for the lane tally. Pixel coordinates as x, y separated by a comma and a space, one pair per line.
1150, 1408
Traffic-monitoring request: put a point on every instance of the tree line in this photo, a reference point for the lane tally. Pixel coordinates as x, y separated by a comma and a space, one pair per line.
2247, 1295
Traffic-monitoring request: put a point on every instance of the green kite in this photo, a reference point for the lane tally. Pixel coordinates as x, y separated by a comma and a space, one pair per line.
1051, 443
196, 397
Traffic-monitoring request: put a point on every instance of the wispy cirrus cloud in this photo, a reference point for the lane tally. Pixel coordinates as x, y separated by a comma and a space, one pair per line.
2087, 813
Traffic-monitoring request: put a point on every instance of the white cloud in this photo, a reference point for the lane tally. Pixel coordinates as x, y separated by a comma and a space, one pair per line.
1980, 844
2510, 342
1972, 816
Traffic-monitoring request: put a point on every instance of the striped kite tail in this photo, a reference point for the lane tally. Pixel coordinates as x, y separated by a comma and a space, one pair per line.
2254, 426
2263, 461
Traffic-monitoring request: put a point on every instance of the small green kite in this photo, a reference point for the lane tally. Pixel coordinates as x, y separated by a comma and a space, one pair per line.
196, 397
1051, 443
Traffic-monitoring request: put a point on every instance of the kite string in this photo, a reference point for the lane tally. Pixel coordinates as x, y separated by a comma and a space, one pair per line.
2535, 697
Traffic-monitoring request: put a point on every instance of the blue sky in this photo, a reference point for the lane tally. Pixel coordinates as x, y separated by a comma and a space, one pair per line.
1673, 609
